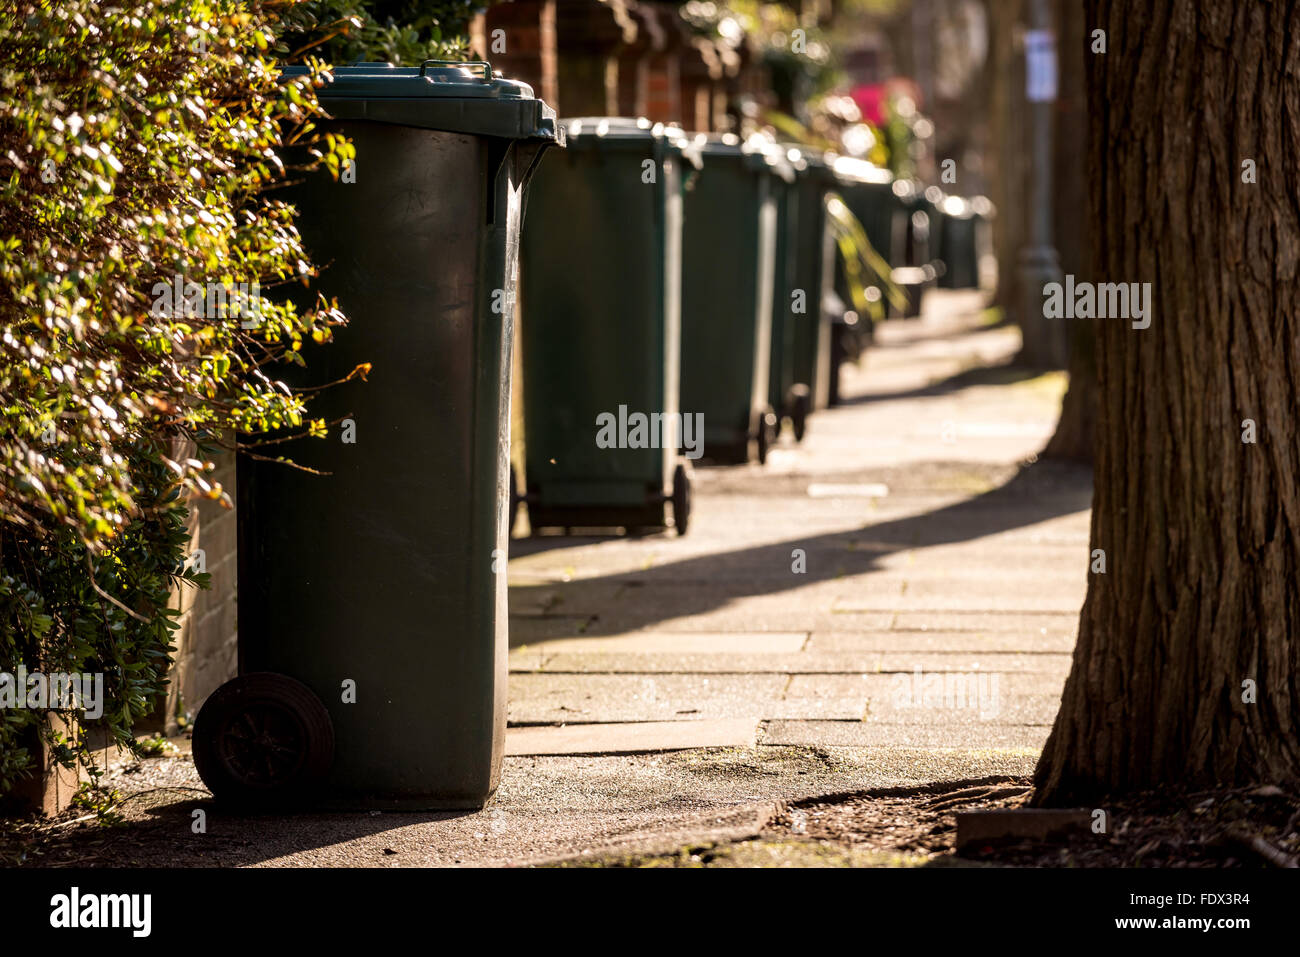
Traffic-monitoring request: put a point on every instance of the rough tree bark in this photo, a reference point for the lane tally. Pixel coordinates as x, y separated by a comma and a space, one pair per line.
1075, 431
1201, 530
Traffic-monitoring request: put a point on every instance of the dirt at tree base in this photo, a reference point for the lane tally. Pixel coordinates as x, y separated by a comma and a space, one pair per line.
1244, 827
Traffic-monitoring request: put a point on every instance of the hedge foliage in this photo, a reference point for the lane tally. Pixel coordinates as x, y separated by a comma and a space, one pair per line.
138, 141
393, 31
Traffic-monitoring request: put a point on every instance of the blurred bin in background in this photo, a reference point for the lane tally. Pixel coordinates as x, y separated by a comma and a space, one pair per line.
814, 263
963, 239
867, 192
783, 392
728, 263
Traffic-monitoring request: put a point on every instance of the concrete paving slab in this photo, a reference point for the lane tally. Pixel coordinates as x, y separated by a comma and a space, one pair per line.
847, 708
563, 599
881, 689
547, 698
807, 662
523, 661
736, 617
1032, 562
739, 616
1061, 623
777, 604
939, 699
980, 642
860, 734
970, 598
678, 643
975, 710
526, 630
632, 737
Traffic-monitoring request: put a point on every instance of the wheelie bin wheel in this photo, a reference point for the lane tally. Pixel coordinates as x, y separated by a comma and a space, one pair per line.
262, 739
838, 358
681, 499
800, 408
769, 427
512, 516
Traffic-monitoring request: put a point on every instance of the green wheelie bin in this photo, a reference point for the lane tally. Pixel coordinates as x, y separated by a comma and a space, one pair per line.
914, 273
955, 241
962, 225
915, 211
785, 396
600, 310
372, 594
814, 259
728, 260
867, 192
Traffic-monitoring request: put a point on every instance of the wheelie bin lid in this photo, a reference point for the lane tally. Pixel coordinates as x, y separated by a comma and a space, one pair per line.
597, 132
803, 158
850, 170
811, 163
437, 95
909, 192
758, 152
778, 158
954, 207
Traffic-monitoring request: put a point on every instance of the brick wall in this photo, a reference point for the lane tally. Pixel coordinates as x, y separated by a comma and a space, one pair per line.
206, 644
604, 57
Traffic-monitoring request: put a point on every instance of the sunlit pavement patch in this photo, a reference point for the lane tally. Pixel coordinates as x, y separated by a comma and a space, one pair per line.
661, 642
833, 490
862, 734
631, 737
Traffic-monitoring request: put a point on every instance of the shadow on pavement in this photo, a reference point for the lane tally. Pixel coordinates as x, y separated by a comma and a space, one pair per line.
162, 835
1038, 492
1007, 373
536, 544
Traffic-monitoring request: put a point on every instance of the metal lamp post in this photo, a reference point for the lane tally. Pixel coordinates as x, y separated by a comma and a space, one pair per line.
1045, 341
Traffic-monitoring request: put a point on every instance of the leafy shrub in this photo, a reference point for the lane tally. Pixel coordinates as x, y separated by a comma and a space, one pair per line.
393, 31
137, 145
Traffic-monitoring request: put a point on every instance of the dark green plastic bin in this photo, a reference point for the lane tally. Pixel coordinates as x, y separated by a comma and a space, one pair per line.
600, 296
784, 395
867, 192
962, 227
372, 596
728, 260
814, 261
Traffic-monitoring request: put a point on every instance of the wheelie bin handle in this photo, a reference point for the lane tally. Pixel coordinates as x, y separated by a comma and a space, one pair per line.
466, 64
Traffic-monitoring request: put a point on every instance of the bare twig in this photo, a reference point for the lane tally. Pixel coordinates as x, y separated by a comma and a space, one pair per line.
287, 462
105, 595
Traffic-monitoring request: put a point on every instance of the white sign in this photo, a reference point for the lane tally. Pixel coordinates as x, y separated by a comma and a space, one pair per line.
1040, 66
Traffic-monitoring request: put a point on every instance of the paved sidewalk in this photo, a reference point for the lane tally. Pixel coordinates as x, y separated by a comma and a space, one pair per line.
892, 603
889, 605
823, 600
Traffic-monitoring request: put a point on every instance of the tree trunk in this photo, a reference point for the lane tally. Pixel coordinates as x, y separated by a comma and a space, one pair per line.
1201, 594
1077, 427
